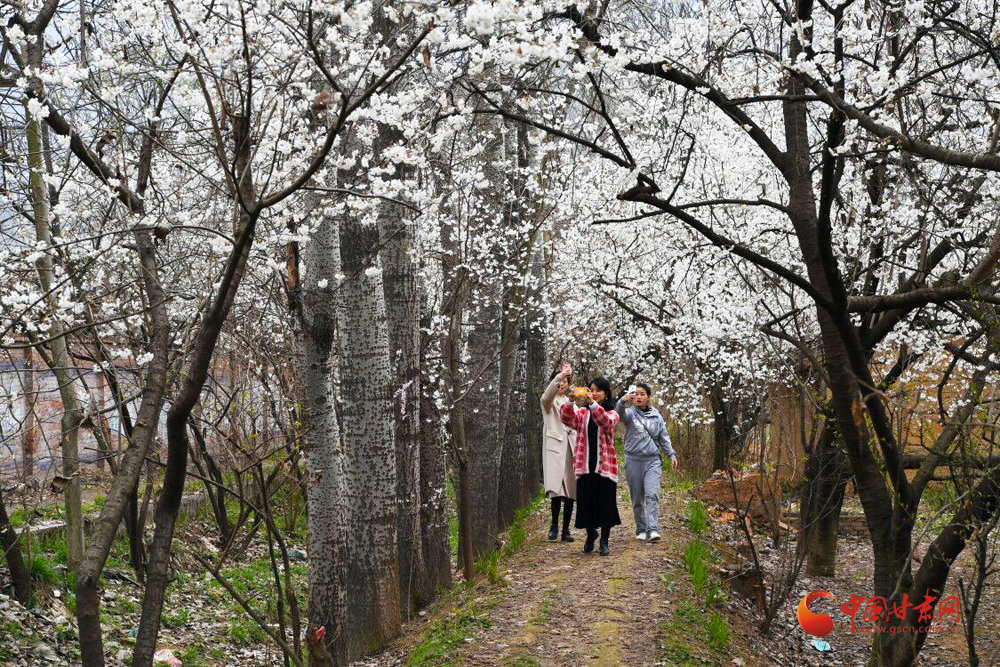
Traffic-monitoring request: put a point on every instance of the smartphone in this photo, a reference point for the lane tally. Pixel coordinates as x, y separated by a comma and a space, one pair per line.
631, 389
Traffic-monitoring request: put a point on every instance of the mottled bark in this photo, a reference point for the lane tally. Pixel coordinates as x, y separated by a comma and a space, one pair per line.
326, 492
434, 533
366, 382
536, 368
402, 304
482, 413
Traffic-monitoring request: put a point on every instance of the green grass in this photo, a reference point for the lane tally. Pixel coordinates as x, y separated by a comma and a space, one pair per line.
697, 517
43, 571
245, 631
718, 632
193, 656
517, 535
699, 577
692, 637
489, 565
695, 553
175, 619
447, 635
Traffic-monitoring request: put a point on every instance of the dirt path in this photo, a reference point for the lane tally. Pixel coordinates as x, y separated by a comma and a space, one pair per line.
565, 607
560, 607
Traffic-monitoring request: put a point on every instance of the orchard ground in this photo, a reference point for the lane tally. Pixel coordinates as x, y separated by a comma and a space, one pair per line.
534, 603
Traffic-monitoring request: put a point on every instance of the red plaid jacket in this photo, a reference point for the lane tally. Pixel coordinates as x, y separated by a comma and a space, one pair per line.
607, 459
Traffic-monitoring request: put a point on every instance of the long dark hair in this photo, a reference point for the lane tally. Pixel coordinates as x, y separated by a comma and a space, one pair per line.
602, 383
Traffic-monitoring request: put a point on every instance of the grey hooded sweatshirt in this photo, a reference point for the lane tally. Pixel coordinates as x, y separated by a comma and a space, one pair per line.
645, 432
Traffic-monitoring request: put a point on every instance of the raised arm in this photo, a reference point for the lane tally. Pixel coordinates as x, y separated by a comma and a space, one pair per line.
549, 395
567, 414
603, 418
621, 408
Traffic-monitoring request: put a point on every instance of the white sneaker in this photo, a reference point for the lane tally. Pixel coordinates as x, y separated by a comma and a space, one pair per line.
641, 536
654, 536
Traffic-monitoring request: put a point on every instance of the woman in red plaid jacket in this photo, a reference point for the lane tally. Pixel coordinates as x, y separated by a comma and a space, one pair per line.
595, 462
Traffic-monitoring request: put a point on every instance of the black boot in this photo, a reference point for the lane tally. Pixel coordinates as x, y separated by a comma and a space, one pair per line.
554, 528
605, 534
588, 546
567, 514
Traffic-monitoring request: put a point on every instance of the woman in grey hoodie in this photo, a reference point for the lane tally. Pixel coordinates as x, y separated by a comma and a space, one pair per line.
645, 436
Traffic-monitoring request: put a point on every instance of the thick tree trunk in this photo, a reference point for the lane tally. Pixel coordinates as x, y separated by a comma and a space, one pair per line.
434, 533
517, 435
536, 369
326, 492
482, 426
402, 304
510, 436
366, 382
825, 483
723, 432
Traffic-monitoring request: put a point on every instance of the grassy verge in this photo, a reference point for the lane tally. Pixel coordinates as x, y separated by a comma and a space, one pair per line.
471, 602
696, 632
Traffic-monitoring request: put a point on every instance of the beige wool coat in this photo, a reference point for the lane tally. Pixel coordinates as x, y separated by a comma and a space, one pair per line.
557, 446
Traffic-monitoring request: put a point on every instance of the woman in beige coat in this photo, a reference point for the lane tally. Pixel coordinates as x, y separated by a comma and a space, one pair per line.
557, 454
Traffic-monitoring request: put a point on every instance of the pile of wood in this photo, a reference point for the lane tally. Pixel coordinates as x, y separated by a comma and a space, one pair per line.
746, 493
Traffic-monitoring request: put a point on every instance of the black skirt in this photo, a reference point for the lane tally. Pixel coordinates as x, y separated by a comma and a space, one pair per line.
596, 502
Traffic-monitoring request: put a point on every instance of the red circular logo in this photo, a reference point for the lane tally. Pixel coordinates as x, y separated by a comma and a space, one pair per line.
818, 625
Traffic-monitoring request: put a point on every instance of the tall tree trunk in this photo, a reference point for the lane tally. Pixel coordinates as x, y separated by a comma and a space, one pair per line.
482, 425
536, 368
509, 482
434, 532
517, 436
122, 495
366, 382
326, 491
723, 432
203, 351
402, 304
60, 361
453, 308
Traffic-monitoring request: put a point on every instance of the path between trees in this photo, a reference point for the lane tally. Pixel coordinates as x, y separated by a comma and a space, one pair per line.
559, 606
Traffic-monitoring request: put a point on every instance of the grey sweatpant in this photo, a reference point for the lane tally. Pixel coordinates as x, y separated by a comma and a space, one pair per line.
644, 486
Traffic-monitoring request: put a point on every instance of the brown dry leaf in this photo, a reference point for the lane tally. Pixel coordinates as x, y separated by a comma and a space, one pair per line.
59, 483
